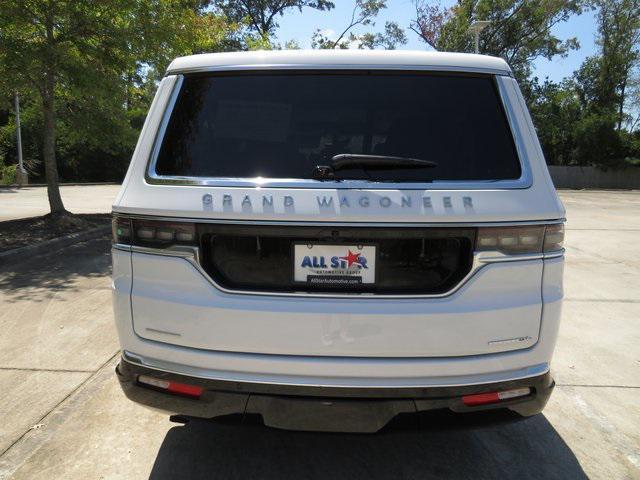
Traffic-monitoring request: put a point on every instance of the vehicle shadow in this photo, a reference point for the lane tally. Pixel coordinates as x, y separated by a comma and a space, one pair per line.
36, 278
428, 445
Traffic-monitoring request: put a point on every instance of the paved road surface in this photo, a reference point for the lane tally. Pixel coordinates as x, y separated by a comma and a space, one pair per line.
63, 416
32, 201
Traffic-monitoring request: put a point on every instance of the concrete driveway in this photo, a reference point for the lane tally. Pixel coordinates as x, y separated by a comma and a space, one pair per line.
32, 201
63, 416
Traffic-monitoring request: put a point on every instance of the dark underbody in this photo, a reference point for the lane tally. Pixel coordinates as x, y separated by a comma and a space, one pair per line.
321, 408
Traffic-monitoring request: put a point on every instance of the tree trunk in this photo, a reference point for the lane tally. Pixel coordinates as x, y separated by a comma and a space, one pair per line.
49, 153
621, 103
49, 133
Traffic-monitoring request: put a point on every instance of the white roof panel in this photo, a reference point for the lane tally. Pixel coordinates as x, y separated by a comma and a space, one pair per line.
340, 59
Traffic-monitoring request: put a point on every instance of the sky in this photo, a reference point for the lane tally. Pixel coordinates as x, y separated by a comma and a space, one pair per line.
300, 27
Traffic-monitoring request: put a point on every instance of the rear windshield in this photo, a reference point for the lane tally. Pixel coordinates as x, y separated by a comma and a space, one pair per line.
283, 125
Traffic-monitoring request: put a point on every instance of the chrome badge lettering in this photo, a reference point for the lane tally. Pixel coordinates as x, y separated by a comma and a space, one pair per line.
343, 201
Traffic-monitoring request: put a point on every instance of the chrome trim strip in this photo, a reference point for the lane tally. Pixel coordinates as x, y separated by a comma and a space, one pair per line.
525, 180
503, 257
197, 372
337, 223
480, 259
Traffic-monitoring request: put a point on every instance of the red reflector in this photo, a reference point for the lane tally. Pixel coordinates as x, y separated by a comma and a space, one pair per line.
183, 389
480, 399
494, 397
173, 387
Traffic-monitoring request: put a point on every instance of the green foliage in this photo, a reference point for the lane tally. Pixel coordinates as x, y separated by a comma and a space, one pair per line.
363, 14
594, 117
7, 174
31, 120
103, 60
260, 16
392, 36
291, 45
555, 108
258, 43
597, 141
519, 30
573, 130
92, 68
580, 120
619, 39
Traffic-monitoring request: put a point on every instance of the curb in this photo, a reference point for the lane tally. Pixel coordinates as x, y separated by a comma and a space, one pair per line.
53, 245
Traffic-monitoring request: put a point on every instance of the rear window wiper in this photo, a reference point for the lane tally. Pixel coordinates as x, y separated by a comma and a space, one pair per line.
345, 161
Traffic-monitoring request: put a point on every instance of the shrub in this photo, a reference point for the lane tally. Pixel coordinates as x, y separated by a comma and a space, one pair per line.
7, 174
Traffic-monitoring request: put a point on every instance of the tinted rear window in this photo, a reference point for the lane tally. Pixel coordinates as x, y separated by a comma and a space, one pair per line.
283, 125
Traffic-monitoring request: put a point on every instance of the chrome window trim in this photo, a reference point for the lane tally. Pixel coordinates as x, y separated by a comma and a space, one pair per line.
480, 259
525, 180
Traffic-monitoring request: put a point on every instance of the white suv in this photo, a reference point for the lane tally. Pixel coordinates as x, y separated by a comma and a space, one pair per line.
330, 238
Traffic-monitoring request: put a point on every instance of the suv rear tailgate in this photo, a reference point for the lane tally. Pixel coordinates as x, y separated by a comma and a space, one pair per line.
498, 309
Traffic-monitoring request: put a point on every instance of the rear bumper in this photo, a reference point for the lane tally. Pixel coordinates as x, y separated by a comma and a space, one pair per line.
304, 407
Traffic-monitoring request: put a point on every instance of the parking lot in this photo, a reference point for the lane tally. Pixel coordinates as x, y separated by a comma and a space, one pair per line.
32, 201
63, 415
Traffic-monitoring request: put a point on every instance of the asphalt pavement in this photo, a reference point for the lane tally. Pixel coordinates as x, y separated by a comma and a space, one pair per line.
62, 414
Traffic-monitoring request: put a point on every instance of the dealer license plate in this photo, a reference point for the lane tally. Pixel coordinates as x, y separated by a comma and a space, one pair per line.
334, 265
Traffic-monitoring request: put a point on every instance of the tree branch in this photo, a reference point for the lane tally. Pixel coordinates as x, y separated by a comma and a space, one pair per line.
351, 25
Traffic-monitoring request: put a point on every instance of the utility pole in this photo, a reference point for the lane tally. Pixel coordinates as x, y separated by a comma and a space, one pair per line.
475, 28
22, 178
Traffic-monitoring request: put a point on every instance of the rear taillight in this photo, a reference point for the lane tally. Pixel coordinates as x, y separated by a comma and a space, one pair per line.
554, 237
153, 233
121, 229
520, 240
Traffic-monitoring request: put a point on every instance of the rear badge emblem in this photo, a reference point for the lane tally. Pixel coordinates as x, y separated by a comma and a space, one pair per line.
346, 202
509, 341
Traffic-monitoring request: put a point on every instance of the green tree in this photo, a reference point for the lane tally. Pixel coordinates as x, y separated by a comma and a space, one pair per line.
519, 32
364, 13
605, 85
556, 109
619, 40
392, 36
89, 57
261, 15
580, 121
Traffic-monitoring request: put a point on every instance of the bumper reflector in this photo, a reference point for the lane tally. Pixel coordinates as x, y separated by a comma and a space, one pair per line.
192, 391
494, 397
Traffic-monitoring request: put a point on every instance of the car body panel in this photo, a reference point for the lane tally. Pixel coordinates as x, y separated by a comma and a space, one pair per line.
501, 302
